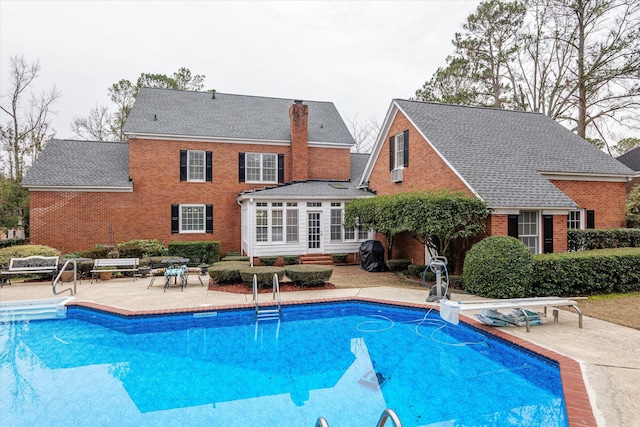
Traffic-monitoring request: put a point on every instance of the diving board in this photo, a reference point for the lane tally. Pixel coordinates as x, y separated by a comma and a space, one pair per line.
449, 310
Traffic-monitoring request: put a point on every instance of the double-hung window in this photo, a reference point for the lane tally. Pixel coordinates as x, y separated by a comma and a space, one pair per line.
336, 222
277, 222
399, 151
262, 222
261, 167
196, 165
192, 218
574, 220
292, 222
528, 230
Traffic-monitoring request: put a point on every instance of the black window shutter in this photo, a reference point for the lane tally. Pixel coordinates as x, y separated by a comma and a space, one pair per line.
209, 219
183, 165
175, 218
241, 167
209, 165
406, 148
280, 168
392, 153
512, 226
548, 234
591, 219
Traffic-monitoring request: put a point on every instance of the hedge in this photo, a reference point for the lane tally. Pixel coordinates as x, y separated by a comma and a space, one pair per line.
398, 264
581, 240
267, 261
291, 259
227, 272
199, 252
232, 258
308, 275
140, 248
13, 242
264, 275
339, 258
23, 251
586, 273
498, 267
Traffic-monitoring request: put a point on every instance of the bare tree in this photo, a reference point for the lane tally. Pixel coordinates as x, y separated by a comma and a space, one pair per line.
97, 126
364, 133
27, 128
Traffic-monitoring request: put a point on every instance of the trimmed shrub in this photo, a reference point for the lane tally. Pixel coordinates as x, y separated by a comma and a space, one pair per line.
227, 272
267, 261
291, 259
97, 252
398, 265
585, 240
264, 275
13, 242
498, 267
23, 251
586, 273
198, 252
308, 275
456, 281
140, 248
339, 258
232, 258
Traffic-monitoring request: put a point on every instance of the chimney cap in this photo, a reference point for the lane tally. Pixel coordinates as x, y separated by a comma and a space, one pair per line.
298, 101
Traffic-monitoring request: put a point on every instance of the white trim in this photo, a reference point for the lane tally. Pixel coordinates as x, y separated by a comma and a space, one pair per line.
570, 176
204, 165
560, 210
87, 189
257, 196
564, 212
204, 218
227, 140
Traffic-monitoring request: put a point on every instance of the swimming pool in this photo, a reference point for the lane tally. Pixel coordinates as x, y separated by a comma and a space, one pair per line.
343, 361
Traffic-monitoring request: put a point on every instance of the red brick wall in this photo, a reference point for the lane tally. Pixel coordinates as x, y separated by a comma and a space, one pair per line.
299, 161
607, 199
72, 221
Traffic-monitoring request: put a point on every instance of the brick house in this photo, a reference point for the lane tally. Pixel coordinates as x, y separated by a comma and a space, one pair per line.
266, 176
537, 178
631, 159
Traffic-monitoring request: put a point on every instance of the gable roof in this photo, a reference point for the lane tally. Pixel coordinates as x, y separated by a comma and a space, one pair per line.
631, 159
317, 189
506, 158
176, 113
81, 165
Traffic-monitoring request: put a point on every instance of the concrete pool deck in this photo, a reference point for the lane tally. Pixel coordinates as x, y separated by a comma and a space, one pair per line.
608, 355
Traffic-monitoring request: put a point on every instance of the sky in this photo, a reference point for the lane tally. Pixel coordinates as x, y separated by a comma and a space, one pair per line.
358, 55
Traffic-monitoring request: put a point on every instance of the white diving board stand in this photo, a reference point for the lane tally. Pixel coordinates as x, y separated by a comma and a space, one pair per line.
450, 310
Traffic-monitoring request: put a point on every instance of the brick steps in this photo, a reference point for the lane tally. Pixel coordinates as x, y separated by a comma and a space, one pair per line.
316, 259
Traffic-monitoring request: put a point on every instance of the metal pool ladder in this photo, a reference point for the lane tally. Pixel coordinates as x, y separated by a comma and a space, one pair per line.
267, 313
387, 414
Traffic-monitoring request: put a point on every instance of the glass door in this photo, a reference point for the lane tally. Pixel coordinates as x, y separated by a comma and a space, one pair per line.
314, 232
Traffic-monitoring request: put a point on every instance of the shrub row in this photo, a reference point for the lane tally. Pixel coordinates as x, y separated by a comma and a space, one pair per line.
23, 251
581, 240
586, 273
13, 242
398, 265
198, 252
235, 272
267, 261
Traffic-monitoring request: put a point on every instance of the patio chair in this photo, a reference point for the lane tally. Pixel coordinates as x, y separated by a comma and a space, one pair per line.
176, 273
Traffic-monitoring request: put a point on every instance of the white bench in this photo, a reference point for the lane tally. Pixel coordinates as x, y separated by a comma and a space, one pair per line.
449, 310
31, 265
115, 265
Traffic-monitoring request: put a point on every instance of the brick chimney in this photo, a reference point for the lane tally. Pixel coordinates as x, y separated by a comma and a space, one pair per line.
299, 119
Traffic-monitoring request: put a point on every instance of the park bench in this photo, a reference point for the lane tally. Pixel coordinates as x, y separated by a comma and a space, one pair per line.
115, 265
30, 265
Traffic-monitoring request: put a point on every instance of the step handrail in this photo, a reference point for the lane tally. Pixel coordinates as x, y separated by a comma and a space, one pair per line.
389, 414
72, 291
276, 292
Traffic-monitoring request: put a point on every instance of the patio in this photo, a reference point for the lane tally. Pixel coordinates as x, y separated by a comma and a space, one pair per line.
608, 354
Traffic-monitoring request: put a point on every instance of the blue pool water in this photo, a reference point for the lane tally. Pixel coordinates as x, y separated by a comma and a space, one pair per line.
346, 362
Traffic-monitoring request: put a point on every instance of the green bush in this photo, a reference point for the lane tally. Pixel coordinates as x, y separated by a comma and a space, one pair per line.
586, 273
267, 261
232, 258
456, 281
13, 242
585, 240
291, 259
23, 251
415, 270
398, 265
308, 275
198, 252
264, 275
97, 252
339, 258
227, 272
140, 248
498, 267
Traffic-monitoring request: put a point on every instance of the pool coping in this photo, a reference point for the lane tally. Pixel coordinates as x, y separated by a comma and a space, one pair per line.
576, 397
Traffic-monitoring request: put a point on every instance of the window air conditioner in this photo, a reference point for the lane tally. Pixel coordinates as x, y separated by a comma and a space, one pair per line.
396, 175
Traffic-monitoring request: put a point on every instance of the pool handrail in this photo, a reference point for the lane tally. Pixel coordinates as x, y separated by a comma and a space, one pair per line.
389, 414
276, 295
322, 422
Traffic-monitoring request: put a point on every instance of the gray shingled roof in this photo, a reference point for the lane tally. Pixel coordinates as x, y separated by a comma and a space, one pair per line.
631, 159
198, 114
320, 189
65, 163
502, 153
